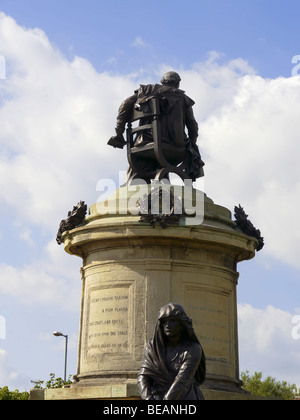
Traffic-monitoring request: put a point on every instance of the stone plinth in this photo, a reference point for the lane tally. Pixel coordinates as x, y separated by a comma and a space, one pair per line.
130, 270
125, 392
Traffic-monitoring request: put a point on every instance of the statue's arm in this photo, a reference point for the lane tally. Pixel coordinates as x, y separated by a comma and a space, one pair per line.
144, 386
186, 373
191, 124
123, 117
124, 113
144, 381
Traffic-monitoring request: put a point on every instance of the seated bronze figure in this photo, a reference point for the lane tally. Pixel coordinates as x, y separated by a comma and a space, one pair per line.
160, 144
173, 365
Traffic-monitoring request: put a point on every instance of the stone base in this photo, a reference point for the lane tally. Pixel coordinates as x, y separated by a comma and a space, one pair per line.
130, 270
124, 392
103, 392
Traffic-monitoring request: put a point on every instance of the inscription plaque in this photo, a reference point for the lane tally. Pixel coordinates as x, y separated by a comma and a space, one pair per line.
108, 321
210, 314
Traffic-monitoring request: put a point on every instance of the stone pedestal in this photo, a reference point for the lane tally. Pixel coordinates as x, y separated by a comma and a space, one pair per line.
131, 269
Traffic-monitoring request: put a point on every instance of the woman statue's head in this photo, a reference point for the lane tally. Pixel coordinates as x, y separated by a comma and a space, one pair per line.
173, 321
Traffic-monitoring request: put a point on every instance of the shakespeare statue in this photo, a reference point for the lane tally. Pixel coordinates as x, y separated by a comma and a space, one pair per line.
173, 364
160, 144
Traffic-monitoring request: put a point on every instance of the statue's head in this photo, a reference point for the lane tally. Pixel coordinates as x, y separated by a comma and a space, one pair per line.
171, 78
173, 320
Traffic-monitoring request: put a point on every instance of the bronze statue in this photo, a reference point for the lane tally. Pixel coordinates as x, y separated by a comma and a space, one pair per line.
174, 113
247, 227
75, 218
173, 365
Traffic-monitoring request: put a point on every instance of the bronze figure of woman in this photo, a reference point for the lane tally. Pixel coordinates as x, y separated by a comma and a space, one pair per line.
173, 365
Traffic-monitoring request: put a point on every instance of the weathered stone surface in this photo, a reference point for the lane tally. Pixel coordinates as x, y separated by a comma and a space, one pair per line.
130, 270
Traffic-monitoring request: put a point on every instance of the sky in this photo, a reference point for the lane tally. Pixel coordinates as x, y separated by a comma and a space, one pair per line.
65, 67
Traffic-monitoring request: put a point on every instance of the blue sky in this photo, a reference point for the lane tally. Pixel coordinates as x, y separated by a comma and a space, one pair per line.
69, 65
262, 32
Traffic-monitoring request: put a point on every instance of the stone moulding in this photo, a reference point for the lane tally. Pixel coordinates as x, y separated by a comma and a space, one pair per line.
130, 270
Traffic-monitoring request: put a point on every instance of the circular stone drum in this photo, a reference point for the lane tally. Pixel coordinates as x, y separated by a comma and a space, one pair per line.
131, 269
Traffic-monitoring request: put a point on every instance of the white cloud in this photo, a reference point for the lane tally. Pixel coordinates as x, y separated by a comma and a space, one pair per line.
53, 279
138, 42
55, 120
2, 327
266, 343
253, 147
8, 376
30, 284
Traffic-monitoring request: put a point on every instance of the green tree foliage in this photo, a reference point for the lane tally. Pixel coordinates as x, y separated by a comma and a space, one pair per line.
6, 394
53, 382
268, 387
